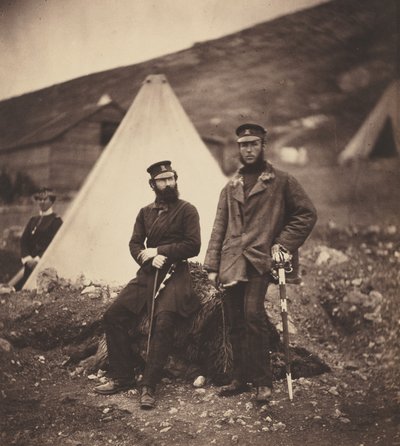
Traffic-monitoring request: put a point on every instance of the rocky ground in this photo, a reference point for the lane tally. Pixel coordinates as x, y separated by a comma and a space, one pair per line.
345, 312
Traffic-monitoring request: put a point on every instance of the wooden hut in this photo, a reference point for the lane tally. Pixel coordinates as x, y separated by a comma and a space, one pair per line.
61, 152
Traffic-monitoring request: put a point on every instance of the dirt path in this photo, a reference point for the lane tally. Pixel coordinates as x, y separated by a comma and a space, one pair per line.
48, 406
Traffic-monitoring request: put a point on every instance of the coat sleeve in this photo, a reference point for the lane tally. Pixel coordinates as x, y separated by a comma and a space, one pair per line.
301, 216
189, 245
213, 255
136, 243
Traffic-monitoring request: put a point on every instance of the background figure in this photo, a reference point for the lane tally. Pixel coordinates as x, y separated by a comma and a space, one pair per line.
166, 233
261, 212
38, 233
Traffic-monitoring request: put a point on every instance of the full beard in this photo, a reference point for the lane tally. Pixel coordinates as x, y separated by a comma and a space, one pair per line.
168, 195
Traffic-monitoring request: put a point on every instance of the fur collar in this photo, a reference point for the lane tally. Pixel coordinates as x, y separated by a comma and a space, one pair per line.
266, 175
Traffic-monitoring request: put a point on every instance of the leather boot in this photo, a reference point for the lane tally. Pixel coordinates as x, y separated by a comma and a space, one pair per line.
114, 386
234, 388
147, 398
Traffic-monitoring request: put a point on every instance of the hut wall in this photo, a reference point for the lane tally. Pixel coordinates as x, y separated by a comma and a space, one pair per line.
76, 151
33, 161
73, 155
64, 162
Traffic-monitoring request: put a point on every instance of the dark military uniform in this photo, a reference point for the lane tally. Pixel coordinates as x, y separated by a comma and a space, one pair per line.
174, 229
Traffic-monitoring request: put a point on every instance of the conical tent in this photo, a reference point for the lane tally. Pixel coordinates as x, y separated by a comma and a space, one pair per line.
93, 241
380, 128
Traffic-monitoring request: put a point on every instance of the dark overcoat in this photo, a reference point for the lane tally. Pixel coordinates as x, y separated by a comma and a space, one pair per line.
175, 230
277, 210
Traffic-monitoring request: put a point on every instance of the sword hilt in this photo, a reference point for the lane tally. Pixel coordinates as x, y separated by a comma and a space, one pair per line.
284, 263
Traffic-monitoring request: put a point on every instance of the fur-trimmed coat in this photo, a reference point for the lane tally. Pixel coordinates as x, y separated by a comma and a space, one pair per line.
277, 210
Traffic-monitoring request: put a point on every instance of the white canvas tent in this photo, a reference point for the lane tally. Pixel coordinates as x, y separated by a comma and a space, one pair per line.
385, 117
93, 240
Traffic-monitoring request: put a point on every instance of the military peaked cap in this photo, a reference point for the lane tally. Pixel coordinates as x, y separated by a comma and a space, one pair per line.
162, 169
250, 132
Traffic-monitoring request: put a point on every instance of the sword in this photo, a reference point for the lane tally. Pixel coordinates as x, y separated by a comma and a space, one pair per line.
156, 292
152, 313
282, 294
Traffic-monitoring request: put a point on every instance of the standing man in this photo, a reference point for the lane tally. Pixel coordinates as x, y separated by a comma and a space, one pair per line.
38, 233
166, 232
261, 212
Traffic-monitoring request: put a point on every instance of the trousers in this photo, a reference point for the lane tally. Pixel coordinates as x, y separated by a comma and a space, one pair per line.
248, 329
121, 328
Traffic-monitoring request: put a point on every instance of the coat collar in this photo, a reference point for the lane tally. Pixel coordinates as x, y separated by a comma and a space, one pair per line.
162, 206
48, 212
237, 182
159, 206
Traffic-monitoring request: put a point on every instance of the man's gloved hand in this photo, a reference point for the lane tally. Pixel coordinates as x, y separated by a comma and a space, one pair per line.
159, 261
213, 278
147, 254
280, 254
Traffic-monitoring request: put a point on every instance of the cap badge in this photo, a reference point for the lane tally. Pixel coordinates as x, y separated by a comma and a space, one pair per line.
247, 132
163, 168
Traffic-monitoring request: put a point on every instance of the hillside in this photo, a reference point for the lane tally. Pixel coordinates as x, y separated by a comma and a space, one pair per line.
333, 60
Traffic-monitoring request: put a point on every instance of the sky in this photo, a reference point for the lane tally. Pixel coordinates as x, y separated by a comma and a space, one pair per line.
45, 42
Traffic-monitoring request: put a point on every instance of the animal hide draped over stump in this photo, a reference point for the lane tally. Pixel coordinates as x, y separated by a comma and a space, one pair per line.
202, 345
